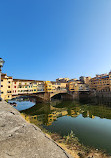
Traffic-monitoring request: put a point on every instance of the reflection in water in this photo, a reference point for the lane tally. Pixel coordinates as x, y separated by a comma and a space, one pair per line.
22, 105
90, 123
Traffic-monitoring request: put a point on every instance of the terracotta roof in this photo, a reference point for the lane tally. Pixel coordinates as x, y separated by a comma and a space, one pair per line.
25, 80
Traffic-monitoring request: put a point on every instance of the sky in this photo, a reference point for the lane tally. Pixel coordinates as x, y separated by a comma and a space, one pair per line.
48, 39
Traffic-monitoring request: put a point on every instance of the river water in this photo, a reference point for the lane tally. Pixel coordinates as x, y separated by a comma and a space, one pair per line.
90, 122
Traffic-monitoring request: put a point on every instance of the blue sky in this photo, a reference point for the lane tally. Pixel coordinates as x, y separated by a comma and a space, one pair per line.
47, 39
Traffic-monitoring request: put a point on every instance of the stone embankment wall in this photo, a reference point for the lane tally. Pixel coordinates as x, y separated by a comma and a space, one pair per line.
19, 139
103, 94
100, 94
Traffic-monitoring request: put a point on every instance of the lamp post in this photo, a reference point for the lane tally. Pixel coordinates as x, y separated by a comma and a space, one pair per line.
1, 65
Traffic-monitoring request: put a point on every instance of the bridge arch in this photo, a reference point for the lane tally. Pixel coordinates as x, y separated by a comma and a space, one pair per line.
38, 96
63, 96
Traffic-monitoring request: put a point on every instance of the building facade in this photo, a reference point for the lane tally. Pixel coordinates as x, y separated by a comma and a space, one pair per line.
12, 87
62, 79
6, 87
76, 86
101, 83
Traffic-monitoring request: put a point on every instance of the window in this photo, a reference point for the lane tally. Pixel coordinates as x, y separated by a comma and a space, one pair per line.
15, 82
1, 92
8, 86
8, 91
8, 81
14, 86
2, 80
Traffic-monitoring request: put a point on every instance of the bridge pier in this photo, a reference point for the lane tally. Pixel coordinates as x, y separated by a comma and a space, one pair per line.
75, 95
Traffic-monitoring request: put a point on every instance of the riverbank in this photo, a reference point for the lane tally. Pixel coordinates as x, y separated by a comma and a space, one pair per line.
21, 139
72, 146
56, 119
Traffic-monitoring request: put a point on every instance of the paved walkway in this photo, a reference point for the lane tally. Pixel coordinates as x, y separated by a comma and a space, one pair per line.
19, 139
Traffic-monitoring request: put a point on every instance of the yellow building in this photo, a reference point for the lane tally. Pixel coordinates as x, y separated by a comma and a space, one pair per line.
88, 80
12, 87
59, 85
101, 83
51, 86
85, 80
48, 86
38, 86
73, 86
83, 87
21, 86
6, 87
34, 87
77, 86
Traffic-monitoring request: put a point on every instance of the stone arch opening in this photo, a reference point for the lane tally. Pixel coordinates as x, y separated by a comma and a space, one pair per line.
62, 96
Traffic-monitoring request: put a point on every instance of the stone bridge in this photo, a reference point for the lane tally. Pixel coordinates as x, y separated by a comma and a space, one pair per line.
47, 96
41, 95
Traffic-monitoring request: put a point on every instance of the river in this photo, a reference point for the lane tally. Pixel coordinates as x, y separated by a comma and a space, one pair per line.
90, 122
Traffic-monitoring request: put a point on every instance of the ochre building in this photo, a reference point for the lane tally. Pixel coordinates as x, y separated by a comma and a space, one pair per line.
101, 83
